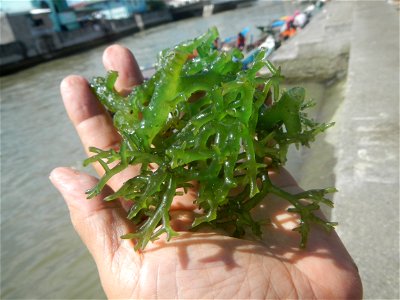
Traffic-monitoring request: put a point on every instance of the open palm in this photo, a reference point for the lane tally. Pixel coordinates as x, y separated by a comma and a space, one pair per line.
203, 264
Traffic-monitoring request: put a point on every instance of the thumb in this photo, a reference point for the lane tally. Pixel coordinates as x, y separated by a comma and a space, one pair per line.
99, 223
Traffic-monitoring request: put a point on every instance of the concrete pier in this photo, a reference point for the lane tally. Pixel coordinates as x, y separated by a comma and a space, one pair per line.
358, 42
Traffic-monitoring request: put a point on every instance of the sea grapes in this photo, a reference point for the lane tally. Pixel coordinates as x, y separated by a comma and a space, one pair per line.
208, 121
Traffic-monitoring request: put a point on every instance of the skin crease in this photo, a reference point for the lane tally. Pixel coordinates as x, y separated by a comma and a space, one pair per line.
202, 264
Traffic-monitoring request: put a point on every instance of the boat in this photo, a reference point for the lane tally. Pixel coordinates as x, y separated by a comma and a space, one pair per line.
288, 23
274, 26
269, 45
230, 42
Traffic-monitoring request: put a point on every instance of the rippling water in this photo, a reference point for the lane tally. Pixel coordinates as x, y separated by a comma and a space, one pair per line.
41, 255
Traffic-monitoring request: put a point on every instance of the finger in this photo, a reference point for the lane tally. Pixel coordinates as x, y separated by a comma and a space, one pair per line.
120, 59
93, 124
99, 223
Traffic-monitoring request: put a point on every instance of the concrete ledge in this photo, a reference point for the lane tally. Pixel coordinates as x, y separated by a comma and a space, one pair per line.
320, 51
360, 155
367, 172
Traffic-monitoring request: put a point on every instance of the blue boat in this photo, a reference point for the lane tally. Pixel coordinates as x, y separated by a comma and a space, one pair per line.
233, 38
277, 23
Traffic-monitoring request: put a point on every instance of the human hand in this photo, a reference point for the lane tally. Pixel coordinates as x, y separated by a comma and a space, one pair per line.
202, 264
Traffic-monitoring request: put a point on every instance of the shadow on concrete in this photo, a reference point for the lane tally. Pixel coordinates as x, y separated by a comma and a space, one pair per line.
314, 167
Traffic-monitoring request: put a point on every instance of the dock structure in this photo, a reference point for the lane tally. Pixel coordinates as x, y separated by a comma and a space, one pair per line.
35, 36
54, 29
181, 9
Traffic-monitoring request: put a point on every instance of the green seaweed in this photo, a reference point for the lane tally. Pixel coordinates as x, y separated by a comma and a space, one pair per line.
219, 140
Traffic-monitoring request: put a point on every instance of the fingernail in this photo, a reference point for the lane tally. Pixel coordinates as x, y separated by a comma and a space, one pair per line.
61, 178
